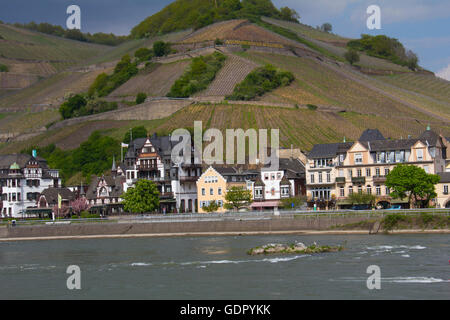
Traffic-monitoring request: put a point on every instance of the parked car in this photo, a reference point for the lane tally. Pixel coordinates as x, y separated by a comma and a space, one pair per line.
395, 207
360, 207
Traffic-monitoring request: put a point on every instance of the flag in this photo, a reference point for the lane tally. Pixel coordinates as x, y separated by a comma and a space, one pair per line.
124, 145
59, 201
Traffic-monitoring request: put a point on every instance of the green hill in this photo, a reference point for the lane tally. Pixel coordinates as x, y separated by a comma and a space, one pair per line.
185, 14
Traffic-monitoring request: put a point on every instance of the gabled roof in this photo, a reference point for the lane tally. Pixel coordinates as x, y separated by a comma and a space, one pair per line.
51, 195
429, 137
328, 150
293, 168
371, 135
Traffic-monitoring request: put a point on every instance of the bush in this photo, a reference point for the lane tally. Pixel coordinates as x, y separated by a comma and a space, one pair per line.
200, 74
78, 105
161, 48
351, 56
311, 107
3, 68
218, 42
143, 54
140, 97
260, 81
104, 84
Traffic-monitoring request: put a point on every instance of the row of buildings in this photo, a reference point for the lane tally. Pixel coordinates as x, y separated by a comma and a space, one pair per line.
326, 176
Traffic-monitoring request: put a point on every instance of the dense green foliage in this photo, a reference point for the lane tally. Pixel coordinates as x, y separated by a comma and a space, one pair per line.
161, 48
94, 156
140, 97
100, 38
362, 198
200, 74
260, 81
413, 182
384, 47
143, 54
211, 207
144, 197
136, 132
77, 106
185, 14
104, 84
237, 197
351, 56
3, 68
298, 201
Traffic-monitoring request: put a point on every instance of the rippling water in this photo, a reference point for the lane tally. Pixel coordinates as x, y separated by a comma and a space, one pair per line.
412, 267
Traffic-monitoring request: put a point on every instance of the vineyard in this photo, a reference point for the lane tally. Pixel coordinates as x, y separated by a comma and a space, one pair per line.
156, 83
429, 85
233, 72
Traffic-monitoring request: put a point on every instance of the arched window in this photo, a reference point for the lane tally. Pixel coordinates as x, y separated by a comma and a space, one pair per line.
103, 192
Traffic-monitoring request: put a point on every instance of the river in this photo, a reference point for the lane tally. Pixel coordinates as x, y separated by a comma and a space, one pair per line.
412, 267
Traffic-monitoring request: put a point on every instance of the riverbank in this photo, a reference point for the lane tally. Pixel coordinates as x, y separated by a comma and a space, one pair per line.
231, 225
218, 234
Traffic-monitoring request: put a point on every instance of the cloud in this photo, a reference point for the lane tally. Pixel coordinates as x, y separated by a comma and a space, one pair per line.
444, 73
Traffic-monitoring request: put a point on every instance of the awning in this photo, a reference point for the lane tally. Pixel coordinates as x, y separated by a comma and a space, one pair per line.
263, 204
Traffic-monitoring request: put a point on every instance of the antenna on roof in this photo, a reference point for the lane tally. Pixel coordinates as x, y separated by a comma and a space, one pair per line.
368, 142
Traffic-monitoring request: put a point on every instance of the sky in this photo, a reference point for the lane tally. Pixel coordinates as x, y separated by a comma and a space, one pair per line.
421, 25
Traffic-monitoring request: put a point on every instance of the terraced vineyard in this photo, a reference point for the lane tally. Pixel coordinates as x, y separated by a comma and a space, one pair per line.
233, 72
429, 85
27, 45
215, 31
156, 83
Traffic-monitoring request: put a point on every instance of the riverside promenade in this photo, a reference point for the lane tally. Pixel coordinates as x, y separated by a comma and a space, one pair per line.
234, 223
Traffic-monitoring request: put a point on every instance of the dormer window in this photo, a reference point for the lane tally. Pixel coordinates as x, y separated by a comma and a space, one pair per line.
358, 158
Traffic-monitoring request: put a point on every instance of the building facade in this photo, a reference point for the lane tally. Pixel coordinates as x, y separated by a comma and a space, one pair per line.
22, 179
334, 171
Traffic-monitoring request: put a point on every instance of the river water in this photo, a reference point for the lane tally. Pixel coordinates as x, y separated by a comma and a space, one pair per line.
412, 267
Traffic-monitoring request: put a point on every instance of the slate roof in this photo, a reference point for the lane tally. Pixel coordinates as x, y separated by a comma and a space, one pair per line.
293, 168
385, 145
8, 159
430, 137
116, 183
371, 135
445, 176
328, 150
51, 195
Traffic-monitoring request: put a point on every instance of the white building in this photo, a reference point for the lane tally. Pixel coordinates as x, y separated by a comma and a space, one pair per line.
22, 179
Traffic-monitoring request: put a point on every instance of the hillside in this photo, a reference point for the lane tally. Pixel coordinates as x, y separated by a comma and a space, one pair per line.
328, 100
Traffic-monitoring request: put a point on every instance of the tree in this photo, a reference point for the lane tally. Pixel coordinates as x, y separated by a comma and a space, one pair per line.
79, 205
289, 14
211, 207
412, 60
238, 197
73, 104
412, 182
136, 132
351, 56
298, 201
144, 197
327, 27
362, 198
143, 54
161, 48
140, 97
3, 67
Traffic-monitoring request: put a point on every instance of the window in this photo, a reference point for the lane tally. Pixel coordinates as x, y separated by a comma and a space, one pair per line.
350, 173
328, 177
369, 190
211, 191
359, 173
258, 193
279, 175
219, 191
445, 189
285, 191
387, 191
320, 177
203, 191
342, 192
341, 158
312, 178
350, 190
386, 171
419, 154
266, 176
341, 172
368, 173
358, 158
377, 172
378, 190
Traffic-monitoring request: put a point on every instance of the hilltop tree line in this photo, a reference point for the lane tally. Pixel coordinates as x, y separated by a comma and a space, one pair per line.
383, 47
196, 14
74, 34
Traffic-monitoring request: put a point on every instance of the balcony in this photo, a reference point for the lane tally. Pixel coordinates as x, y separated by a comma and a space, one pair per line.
379, 179
189, 178
166, 195
145, 167
358, 180
340, 179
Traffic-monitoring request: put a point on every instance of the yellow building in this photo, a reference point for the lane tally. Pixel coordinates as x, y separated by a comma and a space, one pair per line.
211, 186
336, 170
442, 189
